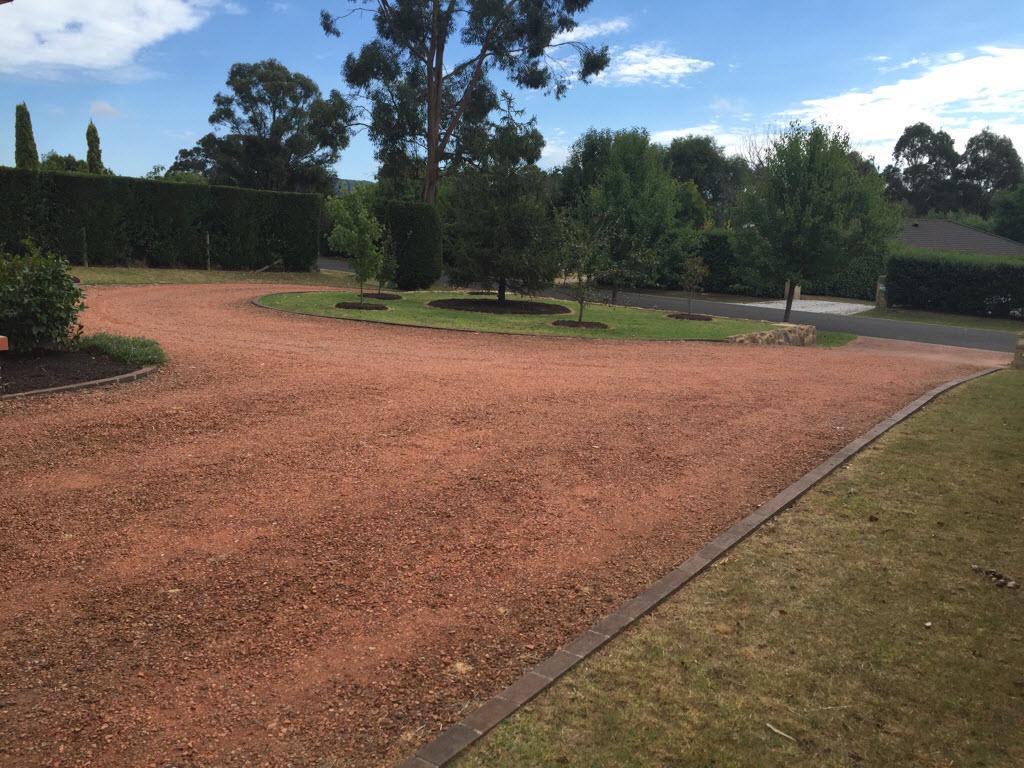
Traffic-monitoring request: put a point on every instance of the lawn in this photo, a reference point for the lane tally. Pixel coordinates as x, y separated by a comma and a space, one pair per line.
942, 318
861, 624
146, 276
413, 309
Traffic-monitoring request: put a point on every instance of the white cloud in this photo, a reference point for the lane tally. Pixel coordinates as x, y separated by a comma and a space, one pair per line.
650, 64
733, 141
103, 109
235, 9
591, 30
880, 59
280, 7
957, 93
920, 61
93, 35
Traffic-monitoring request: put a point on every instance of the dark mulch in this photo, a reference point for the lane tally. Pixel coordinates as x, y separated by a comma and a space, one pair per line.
688, 316
24, 373
483, 293
357, 305
578, 324
508, 308
384, 296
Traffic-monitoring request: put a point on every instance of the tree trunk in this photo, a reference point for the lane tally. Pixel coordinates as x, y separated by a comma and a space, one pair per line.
501, 290
789, 300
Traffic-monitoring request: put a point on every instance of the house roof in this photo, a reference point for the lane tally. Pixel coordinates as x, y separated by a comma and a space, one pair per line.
944, 235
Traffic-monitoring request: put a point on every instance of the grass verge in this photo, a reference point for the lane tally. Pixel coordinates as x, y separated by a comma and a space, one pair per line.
133, 350
830, 339
855, 623
623, 322
144, 276
942, 318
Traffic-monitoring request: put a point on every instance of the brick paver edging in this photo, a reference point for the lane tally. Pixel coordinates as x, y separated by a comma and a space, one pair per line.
122, 379
458, 737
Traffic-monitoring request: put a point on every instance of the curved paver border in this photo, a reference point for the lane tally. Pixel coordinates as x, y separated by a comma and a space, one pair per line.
460, 736
122, 379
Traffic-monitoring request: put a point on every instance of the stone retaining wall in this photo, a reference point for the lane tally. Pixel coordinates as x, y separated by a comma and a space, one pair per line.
789, 334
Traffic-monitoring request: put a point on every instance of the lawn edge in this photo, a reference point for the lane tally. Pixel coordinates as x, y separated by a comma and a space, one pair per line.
123, 378
258, 302
453, 741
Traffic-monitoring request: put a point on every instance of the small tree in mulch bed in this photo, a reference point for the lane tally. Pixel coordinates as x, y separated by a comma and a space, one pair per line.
689, 273
585, 249
358, 234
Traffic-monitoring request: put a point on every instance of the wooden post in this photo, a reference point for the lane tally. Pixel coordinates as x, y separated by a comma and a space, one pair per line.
208, 252
85, 248
880, 301
1018, 359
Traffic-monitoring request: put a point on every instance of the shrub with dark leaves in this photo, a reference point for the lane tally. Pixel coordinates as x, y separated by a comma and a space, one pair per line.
39, 301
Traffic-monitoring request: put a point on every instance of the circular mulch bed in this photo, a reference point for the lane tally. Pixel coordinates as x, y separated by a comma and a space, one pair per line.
357, 305
507, 308
384, 296
483, 293
25, 373
688, 316
578, 324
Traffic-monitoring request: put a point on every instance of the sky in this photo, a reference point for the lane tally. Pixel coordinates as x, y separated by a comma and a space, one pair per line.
146, 71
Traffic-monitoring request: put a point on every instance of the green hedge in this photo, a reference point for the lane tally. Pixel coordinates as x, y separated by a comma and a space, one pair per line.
123, 221
962, 283
856, 280
415, 231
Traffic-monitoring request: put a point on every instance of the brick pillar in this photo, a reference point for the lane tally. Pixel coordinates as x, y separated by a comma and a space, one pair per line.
1018, 359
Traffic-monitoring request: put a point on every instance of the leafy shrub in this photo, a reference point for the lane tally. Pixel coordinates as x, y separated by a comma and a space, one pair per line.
415, 232
39, 301
962, 283
856, 279
133, 350
119, 220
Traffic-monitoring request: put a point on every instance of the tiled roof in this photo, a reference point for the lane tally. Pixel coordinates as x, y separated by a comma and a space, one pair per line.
949, 236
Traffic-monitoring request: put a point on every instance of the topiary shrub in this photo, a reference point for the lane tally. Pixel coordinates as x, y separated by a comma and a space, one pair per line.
962, 283
415, 232
39, 301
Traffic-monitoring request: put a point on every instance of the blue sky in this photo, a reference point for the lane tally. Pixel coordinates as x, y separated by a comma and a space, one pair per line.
146, 70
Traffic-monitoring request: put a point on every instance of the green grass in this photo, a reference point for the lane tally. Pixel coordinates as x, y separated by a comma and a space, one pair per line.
854, 623
942, 318
830, 339
623, 322
133, 350
144, 276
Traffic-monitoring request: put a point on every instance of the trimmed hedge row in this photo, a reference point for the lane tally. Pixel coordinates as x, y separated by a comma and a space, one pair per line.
415, 231
119, 220
962, 283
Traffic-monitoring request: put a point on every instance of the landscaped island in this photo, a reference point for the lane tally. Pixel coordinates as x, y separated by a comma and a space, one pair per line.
414, 309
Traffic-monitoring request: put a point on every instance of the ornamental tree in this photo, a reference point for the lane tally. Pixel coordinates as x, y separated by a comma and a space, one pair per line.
425, 77
810, 208
26, 156
94, 156
358, 235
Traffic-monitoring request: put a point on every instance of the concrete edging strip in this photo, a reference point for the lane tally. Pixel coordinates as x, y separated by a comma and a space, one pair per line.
453, 741
122, 379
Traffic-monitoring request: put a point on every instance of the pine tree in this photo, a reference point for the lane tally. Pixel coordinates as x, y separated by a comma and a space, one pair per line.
26, 156
94, 157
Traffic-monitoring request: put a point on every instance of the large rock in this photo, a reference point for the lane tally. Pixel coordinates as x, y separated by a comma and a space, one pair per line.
785, 333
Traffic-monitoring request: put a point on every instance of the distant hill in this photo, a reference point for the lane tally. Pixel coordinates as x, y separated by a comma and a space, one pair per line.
346, 186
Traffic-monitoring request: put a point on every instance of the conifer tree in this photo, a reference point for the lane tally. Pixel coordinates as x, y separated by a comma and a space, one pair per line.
26, 156
93, 157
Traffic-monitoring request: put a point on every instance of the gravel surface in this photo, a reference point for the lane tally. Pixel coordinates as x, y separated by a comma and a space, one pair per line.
314, 543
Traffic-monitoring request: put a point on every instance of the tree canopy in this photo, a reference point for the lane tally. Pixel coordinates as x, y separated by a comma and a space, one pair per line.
94, 156
279, 132
26, 155
810, 209
425, 77
701, 159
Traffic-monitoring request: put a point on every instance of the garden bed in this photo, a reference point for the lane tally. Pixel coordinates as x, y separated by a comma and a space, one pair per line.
359, 305
507, 307
25, 373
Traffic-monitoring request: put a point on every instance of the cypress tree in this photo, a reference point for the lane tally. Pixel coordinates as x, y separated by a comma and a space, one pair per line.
94, 157
26, 156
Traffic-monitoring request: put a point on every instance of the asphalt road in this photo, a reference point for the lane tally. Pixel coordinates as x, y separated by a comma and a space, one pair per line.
973, 338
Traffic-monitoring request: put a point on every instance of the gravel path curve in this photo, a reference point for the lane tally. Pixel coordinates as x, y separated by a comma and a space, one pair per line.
314, 543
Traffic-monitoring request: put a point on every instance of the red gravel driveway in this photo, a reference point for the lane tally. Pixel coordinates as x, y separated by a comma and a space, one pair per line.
314, 543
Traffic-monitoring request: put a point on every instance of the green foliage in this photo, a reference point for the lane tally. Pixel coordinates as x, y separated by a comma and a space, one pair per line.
962, 283
122, 220
414, 230
618, 182
1008, 214
133, 350
425, 75
498, 216
989, 164
94, 156
357, 234
280, 132
924, 169
702, 160
966, 218
39, 301
811, 210
715, 248
63, 163
26, 156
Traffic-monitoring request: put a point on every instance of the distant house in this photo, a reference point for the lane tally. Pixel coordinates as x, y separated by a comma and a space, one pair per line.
943, 235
